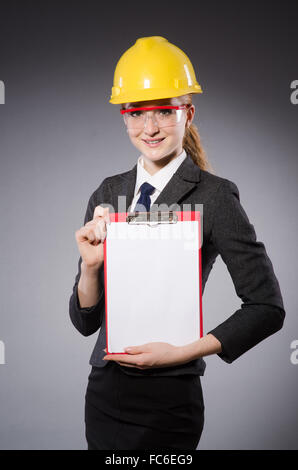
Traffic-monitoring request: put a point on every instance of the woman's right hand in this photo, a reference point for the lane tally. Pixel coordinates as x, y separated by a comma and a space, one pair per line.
90, 238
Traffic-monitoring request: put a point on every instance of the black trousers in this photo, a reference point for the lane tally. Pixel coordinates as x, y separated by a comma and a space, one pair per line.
125, 412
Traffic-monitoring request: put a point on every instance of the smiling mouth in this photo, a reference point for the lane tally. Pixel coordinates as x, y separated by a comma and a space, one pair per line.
152, 142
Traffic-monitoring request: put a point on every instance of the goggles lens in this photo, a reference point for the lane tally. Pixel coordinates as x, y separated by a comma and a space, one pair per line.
163, 116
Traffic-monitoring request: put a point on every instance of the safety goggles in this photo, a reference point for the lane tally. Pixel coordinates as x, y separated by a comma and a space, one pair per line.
164, 116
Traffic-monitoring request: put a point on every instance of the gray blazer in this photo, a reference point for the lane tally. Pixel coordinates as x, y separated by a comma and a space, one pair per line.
226, 231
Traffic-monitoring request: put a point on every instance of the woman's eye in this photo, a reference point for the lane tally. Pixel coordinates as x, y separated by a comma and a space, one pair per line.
166, 112
135, 113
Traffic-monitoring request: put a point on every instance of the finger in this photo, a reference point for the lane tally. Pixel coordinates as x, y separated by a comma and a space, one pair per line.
135, 349
123, 358
86, 234
93, 222
87, 224
107, 217
100, 211
100, 230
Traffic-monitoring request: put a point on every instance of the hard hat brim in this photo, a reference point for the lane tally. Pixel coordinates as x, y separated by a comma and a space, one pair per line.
149, 95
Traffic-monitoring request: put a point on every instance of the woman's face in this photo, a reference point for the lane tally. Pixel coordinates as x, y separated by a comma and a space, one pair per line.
171, 138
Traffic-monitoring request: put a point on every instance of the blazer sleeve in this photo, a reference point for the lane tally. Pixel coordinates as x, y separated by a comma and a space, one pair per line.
262, 311
89, 319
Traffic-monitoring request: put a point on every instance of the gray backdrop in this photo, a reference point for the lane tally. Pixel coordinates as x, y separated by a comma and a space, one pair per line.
60, 137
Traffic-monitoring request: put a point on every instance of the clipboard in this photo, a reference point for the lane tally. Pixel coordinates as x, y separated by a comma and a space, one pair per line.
153, 279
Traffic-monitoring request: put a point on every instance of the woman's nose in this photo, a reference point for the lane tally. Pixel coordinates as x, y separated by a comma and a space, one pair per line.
150, 125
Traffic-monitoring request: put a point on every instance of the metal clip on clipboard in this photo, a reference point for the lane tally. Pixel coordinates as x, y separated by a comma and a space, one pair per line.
152, 218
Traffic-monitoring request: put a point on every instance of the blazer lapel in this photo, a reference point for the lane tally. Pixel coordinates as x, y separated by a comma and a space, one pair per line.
125, 190
182, 182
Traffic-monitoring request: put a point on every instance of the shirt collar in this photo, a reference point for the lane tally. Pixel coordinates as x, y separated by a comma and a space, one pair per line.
161, 177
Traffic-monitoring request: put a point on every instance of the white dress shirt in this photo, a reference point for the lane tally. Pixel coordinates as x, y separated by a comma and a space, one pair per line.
159, 180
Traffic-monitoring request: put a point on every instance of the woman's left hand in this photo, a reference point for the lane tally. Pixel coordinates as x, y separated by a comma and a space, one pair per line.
150, 355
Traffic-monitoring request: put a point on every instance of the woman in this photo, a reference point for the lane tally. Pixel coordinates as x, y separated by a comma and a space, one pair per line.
151, 397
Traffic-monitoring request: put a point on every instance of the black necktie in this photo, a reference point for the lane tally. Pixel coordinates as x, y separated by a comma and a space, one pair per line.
143, 203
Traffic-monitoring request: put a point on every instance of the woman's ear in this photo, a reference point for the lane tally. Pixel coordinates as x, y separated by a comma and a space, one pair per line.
190, 115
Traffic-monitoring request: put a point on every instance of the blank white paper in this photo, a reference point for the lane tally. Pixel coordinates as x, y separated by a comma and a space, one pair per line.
153, 284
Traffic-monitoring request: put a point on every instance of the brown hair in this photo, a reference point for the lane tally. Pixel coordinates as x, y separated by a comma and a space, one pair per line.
192, 141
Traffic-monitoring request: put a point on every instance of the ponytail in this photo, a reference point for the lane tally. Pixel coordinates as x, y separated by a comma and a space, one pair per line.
192, 142
192, 145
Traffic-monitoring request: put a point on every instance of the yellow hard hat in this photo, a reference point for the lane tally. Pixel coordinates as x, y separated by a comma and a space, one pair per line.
153, 68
